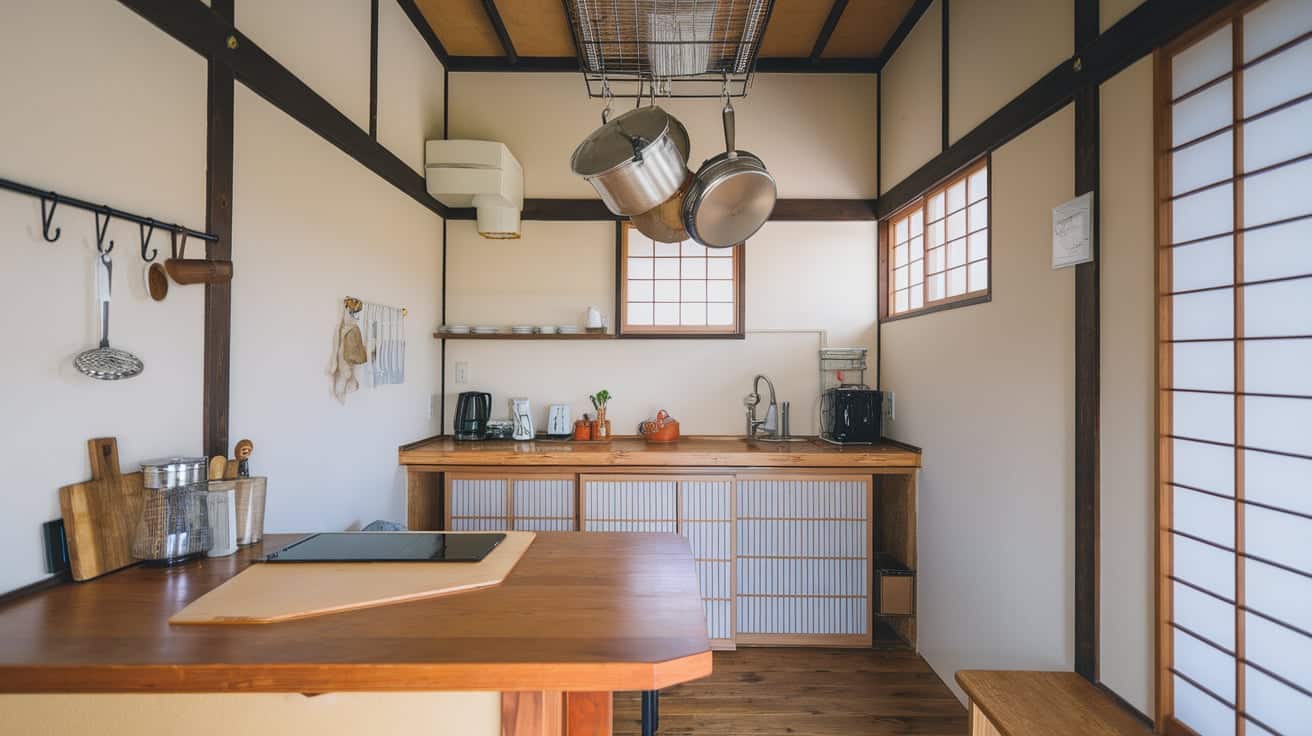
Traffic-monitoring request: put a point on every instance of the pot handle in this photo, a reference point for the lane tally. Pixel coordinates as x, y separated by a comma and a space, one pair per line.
727, 115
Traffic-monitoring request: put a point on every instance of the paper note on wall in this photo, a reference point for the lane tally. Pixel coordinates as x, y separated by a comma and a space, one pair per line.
1072, 232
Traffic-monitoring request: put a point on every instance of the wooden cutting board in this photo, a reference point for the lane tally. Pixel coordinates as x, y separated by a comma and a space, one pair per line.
267, 593
101, 515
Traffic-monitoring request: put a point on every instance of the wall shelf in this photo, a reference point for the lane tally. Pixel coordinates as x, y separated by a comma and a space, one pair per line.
512, 336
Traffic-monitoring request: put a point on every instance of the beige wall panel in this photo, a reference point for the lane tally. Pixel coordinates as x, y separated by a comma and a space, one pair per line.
999, 48
816, 133
1126, 505
377, 714
313, 226
98, 105
1110, 11
988, 392
812, 279
324, 42
410, 90
913, 103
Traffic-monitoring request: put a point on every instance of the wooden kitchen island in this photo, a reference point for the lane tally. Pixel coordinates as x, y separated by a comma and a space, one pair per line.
580, 616
798, 543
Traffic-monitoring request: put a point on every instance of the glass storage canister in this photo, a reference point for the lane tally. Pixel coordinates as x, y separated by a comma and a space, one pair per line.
174, 524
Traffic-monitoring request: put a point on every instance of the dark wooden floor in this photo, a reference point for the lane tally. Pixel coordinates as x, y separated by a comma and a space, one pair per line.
815, 692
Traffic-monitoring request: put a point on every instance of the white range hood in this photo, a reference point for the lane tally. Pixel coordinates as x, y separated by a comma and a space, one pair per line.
480, 174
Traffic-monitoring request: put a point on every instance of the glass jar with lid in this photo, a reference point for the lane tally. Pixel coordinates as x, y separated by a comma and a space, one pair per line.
174, 525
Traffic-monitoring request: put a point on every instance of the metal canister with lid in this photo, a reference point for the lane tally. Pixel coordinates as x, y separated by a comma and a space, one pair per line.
174, 524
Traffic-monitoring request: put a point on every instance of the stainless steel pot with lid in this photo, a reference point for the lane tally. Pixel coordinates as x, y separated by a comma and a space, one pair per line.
171, 472
732, 195
635, 161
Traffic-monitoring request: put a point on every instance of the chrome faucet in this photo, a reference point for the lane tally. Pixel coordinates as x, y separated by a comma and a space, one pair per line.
770, 424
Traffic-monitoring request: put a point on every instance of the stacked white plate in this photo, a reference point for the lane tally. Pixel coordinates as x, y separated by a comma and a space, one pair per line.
547, 330
458, 329
568, 329
521, 330
486, 330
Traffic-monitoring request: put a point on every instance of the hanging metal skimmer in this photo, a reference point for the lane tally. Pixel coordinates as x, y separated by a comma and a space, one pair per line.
677, 48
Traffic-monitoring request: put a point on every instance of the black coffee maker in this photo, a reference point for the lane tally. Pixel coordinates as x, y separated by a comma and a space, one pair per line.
472, 411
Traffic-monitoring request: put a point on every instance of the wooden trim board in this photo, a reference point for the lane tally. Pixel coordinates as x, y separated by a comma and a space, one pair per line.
273, 593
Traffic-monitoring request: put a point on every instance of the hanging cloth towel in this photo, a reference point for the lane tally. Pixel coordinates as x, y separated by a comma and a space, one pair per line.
348, 352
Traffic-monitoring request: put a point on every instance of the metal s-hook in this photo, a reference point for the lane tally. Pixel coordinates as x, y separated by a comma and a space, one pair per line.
179, 252
608, 96
48, 217
101, 230
145, 241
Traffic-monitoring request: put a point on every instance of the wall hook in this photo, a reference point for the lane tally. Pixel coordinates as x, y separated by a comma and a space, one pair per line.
48, 217
145, 241
101, 230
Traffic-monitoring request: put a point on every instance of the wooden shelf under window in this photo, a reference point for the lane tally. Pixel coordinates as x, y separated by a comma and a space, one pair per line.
534, 336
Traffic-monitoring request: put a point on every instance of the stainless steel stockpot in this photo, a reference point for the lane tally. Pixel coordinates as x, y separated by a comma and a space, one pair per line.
635, 161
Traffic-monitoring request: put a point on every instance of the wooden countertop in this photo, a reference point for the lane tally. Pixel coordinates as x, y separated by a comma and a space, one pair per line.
1027, 703
580, 612
637, 452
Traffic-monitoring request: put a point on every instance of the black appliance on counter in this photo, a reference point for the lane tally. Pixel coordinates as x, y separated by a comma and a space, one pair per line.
852, 415
473, 408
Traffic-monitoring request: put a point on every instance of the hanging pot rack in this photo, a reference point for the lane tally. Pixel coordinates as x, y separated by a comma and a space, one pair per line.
104, 213
676, 48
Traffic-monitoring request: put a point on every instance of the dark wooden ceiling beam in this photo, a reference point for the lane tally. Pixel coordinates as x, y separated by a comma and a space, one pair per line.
785, 210
827, 30
498, 25
528, 64
903, 29
425, 29
806, 65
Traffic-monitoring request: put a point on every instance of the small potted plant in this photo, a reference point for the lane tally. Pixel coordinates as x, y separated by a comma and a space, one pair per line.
599, 401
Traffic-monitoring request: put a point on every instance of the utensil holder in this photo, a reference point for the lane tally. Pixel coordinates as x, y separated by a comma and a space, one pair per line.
250, 509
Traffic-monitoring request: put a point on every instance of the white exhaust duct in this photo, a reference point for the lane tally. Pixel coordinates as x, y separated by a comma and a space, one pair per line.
480, 174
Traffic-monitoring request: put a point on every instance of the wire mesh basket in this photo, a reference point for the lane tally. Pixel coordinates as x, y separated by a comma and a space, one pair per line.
668, 48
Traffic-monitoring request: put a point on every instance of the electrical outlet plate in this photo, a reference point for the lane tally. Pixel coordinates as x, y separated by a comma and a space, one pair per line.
462, 372
890, 412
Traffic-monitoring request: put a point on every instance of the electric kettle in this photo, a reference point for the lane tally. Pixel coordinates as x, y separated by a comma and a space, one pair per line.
473, 408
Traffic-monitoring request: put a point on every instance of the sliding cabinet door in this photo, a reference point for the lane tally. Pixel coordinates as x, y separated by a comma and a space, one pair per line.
1234, 181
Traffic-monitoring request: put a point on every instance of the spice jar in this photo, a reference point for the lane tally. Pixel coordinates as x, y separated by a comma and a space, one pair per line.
174, 525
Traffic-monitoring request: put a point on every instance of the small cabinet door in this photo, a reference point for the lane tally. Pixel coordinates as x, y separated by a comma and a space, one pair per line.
699, 508
479, 501
803, 560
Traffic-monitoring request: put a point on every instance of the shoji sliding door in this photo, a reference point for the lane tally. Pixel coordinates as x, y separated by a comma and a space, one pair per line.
1234, 137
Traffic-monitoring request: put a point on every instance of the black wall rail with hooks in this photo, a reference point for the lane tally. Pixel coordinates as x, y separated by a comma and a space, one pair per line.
50, 200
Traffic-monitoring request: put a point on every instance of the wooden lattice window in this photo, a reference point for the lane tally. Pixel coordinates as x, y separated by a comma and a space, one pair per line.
679, 289
1234, 440
936, 249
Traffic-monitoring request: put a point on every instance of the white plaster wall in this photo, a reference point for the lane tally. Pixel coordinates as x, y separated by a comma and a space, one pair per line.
324, 42
911, 86
410, 87
815, 132
310, 227
1127, 508
72, 122
988, 392
806, 277
998, 48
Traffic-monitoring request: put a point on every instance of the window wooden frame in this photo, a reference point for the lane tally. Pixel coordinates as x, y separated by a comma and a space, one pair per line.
1165, 387
886, 245
736, 330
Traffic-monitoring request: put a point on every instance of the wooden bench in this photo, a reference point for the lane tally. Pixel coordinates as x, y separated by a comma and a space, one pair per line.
1022, 703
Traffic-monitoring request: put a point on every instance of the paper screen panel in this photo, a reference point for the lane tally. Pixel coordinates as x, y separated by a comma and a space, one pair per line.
1205, 614
1203, 315
1279, 251
1202, 113
1204, 515
1279, 424
1202, 62
1273, 24
1201, 712
1278, 194
1203, 214
1278, 137
1205, 566
1278, 309
544, 504
1203, 265
1201, 465
1202, 416
1278, 79
1206, 162
1279, 649
1208, 366
479, 504
1206, 665
1280, 594
1278, 480
1275, 703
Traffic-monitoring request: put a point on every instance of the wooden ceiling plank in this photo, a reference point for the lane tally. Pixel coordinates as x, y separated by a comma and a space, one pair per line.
425, 28
462, 26
903, 30
539, 28
794, 25
827, 30
865, 28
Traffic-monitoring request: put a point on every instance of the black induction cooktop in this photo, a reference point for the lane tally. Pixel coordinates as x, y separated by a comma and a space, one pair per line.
388, 547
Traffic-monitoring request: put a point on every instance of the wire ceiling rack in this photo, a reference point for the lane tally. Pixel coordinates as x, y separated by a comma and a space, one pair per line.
668, 48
